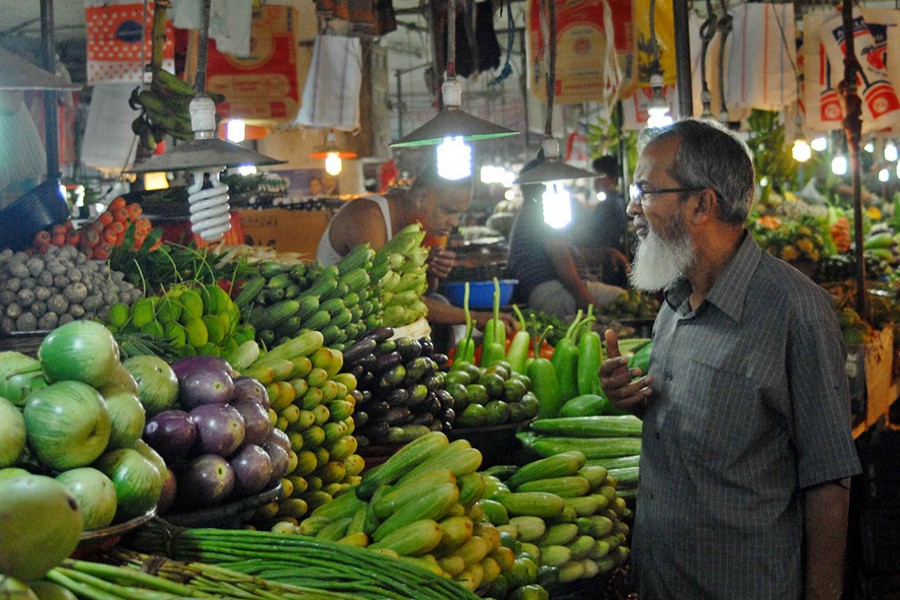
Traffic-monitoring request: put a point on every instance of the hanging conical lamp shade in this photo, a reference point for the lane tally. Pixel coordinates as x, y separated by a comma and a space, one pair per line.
452, 121
551, 168
203, 154
16, 73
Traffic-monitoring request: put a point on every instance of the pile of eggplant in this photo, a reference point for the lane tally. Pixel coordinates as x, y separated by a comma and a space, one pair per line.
400, 385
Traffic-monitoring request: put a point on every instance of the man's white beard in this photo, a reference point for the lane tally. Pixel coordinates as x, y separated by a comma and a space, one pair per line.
659, 262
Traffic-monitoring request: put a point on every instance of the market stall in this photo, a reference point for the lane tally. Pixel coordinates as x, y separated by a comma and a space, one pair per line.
192, 406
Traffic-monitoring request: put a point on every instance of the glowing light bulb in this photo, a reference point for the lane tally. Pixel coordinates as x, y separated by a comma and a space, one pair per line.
870, 147
819, 144
509, 195
764, 181
235, 131
210, 217
247, 170
333, 163
890, 152
601, 196
898, 170
556, 204
155, 181
884, 175
658, 109
839, 165
454, 159
801, 150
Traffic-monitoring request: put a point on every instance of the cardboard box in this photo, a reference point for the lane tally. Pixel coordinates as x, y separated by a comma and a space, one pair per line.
285, 230
880, 393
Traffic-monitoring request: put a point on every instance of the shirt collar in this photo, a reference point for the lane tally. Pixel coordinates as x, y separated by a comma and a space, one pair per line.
730, 289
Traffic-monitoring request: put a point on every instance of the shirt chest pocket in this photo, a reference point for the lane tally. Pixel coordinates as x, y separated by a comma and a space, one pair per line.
717, 409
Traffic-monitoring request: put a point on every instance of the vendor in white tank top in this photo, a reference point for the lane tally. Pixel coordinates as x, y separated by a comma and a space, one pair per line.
435, 203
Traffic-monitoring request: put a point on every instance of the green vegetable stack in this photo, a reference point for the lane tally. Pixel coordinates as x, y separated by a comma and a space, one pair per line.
632, 305
563, 511
313, 403
490, 396
399, 268
339, 301
191, 321
610, 441
423, 505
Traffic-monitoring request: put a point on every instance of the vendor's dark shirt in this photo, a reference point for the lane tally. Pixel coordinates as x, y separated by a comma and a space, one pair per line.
528, 260
750, 407
603, 224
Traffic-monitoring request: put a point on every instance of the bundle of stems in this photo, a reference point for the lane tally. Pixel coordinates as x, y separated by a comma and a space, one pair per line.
301, 561
143, 577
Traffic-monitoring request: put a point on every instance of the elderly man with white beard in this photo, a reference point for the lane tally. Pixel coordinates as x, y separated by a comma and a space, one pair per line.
747, 449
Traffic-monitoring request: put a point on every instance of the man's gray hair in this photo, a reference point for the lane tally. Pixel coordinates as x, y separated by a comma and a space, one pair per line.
710, 156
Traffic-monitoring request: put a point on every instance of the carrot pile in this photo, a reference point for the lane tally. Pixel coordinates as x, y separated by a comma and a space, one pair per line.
97, 240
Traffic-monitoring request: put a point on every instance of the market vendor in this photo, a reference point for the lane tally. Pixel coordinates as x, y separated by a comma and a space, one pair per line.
600, 229
433, 202
553, 276
746, 449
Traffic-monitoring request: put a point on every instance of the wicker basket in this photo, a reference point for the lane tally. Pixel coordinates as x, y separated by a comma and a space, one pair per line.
26, 342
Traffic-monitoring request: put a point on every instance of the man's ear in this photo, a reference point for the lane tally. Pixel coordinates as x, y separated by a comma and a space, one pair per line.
706, 207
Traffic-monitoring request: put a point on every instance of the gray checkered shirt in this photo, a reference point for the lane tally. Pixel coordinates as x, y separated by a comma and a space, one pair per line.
750, 406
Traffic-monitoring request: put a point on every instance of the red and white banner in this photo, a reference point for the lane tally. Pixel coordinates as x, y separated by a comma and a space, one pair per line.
118, 45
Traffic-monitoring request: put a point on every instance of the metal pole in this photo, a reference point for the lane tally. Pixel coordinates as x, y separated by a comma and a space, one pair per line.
551, 69
398, 74
683, 59
51, 116
853, 128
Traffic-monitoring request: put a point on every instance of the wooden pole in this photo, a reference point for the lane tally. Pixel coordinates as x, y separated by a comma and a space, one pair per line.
853, 129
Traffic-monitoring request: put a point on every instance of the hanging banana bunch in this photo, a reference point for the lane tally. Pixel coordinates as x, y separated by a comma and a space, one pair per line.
164, 109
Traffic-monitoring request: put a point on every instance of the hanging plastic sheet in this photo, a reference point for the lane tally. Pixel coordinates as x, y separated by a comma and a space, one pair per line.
115, 43
760, 70
331, 94
229, 22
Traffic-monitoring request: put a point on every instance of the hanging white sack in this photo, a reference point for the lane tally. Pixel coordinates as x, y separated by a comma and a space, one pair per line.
331, 94
762, 58
880, 104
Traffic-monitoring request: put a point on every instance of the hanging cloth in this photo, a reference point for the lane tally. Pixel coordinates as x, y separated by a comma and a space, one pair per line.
331, 93
488, 46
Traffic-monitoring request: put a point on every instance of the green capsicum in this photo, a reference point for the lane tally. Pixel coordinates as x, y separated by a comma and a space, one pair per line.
494, 344
565, 361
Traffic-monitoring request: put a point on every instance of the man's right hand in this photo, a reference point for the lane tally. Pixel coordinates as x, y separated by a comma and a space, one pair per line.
619, 383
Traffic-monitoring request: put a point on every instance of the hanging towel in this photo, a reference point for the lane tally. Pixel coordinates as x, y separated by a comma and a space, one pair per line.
760, 72
229, 23
331, 93
880, 104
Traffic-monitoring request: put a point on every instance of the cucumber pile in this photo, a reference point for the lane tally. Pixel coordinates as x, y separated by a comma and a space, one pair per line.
610, 441
313, 404
424, 505
400, 271
564, 512
337, 301
402, 393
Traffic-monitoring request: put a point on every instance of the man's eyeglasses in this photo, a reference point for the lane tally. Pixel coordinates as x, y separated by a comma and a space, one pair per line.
638, 193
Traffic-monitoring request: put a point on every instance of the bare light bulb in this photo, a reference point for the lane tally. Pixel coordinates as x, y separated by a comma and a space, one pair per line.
454, 159
801, 150
235, 131
870, 147
819, 144
658, 109
210, 217
333, 164
890, 152
556, 204
839, 165
884, 175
